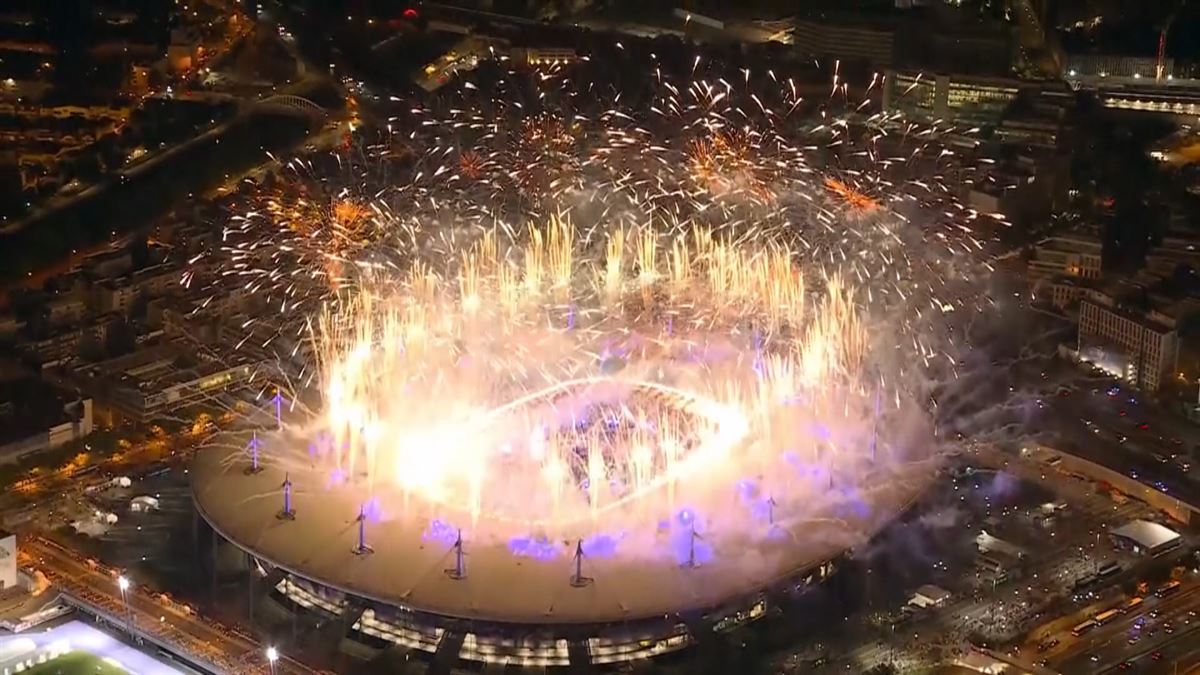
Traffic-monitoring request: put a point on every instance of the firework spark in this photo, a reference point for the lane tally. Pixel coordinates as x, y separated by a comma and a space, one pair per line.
726, 298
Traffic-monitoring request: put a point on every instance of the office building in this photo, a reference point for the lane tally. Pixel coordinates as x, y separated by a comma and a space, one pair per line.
1038, 119
1060, 292
35, 416
944, 37
1061, 268
966, 99
1076, 256
1138, 346
159, 380
847, 39
1174, 252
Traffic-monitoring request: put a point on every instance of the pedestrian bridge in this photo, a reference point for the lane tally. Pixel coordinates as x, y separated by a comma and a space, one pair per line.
293, 103
165, 646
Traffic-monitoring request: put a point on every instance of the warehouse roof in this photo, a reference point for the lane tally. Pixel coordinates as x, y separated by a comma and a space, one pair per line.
1147, 534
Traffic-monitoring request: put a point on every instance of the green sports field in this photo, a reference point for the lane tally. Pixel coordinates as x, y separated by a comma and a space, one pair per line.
76, 663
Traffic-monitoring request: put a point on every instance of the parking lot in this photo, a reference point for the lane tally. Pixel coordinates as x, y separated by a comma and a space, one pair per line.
1062, 527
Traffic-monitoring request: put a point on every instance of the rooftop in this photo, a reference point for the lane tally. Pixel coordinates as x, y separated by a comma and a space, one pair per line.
29, 405
1147, 534
1071, 243
158, 367
934, 593
407, 566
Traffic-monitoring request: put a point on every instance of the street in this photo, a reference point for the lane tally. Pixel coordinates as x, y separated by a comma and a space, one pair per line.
153, 613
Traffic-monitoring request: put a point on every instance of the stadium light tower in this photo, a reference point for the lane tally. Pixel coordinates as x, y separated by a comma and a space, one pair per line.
272, 657
288, 513
578, 580
253, 446
362, 548
691, 562
123, 584
875, 427
459, 571
278, 401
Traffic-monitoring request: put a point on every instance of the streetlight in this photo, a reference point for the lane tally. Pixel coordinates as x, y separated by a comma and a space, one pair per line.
272, 657
123, 584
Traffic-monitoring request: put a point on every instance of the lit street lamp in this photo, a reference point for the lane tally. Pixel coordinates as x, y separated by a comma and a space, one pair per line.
272, 657
123, 584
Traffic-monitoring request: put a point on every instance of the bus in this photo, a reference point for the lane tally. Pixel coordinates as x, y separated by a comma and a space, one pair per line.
1133, 604
1083, 627
1167, 589
1106, 616
1108, 569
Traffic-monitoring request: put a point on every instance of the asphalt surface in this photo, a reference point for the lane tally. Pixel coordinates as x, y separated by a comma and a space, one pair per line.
1133, 637
1092, 424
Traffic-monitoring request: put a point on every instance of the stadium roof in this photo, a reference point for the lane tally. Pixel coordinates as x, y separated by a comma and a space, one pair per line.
1147, 534
410, 556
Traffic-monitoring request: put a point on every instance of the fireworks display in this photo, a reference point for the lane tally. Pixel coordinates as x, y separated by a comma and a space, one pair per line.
541, 310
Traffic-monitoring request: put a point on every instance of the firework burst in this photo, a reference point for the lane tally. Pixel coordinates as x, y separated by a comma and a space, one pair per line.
562, 317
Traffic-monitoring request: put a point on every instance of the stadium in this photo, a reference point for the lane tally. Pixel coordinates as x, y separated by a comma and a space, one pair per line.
551, 452
403, 584
569, 393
